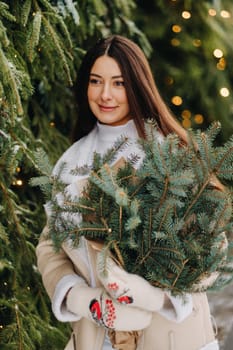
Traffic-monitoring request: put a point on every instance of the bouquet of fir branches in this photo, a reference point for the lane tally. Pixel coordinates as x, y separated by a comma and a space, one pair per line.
169, 221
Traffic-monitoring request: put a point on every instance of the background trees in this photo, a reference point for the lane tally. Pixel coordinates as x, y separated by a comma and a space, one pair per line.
192, 51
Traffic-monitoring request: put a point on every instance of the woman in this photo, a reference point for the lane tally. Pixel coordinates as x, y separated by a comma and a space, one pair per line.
116, 93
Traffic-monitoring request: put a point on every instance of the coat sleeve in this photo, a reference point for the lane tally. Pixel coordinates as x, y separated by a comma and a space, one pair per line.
51, 264
58, 276
177, 308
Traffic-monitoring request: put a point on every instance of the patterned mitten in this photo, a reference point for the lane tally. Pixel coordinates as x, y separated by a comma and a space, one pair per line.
128, 288
96, 305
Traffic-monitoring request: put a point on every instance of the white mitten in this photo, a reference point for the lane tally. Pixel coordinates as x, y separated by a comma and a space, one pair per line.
128, 288
96, 305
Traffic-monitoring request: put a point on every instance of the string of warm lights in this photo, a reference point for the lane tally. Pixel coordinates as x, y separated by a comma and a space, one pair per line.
217, 53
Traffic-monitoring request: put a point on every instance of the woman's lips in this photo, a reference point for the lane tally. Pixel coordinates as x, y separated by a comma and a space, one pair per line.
107, 108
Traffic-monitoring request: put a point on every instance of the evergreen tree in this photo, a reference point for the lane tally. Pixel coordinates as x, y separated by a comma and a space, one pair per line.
41, 45
191, 58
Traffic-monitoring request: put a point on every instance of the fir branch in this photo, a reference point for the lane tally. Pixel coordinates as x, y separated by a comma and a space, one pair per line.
42, 162
4, 12
11, 208
179, 274
4, 238
80, 206
24, 15
46, 4
197, 196
212, 131
83, 170
19, 328
58, 46
72, 9
219, 224
125, 6
210, 175
103, 177
3, 36
99, 8
218, 167
118, 146
63, 28
22, 147
34, 36
7, 71
82, 229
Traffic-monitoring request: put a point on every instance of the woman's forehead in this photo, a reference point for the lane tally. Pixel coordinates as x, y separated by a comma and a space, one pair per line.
107, 66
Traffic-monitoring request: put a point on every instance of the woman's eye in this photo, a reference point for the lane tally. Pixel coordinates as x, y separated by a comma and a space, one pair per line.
94, 81
119, 83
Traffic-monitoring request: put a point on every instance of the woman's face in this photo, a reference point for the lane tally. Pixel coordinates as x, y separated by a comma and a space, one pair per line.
106, 92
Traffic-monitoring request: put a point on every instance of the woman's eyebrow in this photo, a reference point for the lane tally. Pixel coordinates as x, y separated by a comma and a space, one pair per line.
117, 76
113, 77
96, 75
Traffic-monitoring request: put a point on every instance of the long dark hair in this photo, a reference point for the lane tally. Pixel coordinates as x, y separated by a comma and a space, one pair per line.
143, 96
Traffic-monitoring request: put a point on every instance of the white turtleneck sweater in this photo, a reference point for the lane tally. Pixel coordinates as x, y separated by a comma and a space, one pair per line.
99, 140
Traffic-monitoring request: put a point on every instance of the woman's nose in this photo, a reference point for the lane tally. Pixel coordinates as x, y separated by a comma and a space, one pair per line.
106, 93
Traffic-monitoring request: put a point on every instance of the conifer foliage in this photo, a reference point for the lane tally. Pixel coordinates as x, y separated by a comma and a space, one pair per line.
168, 221
192, 51
41, 45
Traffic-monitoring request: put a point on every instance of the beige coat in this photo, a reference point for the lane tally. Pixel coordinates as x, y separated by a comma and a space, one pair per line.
192, 334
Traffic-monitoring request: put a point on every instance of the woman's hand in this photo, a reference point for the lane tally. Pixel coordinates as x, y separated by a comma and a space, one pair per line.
127, 288
96, 305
